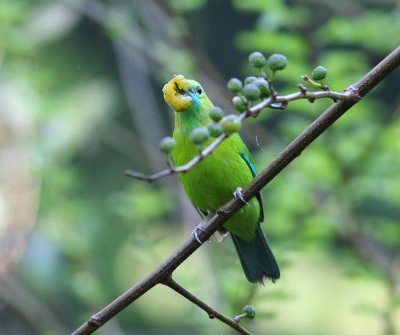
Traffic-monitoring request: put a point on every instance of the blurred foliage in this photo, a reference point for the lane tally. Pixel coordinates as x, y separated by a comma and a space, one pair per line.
80, 102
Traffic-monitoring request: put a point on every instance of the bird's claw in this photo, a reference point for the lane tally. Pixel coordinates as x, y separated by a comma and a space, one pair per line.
195, 233
238, 194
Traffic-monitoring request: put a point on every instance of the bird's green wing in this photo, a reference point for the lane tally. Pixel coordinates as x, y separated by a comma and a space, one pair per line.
249, 161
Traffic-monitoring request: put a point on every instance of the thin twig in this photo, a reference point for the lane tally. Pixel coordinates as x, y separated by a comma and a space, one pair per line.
215, 222
183, 168
212, 313
253, 111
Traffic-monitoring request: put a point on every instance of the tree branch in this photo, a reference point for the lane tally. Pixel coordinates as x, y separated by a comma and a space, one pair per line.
214, 222
183, 168
253, 111
212, 313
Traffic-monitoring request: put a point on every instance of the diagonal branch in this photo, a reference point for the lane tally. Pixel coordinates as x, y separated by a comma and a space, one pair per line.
212, 313
293, 150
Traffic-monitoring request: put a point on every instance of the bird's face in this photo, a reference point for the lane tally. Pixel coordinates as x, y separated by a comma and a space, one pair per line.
183, 94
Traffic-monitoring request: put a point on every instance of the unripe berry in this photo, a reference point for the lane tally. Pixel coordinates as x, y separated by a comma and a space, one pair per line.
250, 311
215, 129
216, 114
277, 62
257, 59
231, 124
238, 104
234, 85
251, 91
263, 85
167, 144
319, 73
249, 79
199, 135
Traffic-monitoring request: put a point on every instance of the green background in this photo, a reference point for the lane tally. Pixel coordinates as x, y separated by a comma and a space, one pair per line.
81, 102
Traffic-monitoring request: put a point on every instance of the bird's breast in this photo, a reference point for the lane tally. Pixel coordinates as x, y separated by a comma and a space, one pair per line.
211, 182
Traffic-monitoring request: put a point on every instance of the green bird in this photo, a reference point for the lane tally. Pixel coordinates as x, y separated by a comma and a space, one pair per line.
212, 182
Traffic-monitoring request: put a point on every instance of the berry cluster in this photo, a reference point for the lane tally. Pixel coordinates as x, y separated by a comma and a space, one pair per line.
252, 90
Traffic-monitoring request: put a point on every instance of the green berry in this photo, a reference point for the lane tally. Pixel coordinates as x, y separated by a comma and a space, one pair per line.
319, 73
199, 135
263, 85
238, 104
251, 91
231, 124
257, 59
216, 114
234, 85
250, 311
215, 129
167, 144
249, 80
277, 62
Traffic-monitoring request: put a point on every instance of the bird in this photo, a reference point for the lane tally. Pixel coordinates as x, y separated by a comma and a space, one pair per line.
212, 182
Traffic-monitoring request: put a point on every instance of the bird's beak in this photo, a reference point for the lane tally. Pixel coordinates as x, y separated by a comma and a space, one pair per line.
177, 93
181, 91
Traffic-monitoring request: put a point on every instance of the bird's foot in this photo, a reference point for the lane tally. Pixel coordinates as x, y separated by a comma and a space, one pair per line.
238, 194
219, 235
195, 233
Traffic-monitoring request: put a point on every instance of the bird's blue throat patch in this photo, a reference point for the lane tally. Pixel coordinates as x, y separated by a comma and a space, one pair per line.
195, 100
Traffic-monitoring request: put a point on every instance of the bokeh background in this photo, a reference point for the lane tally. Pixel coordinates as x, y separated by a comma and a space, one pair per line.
81, 102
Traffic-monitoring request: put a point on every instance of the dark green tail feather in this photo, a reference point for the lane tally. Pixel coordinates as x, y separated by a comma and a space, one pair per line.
256, 257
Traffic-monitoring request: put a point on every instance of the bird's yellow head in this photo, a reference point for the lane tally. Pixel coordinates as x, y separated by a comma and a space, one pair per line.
182, 94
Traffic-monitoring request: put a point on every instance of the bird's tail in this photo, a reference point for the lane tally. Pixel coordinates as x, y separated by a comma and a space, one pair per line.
256, 257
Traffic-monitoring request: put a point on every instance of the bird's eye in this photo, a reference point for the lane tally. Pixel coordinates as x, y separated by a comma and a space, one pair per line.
199, 90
